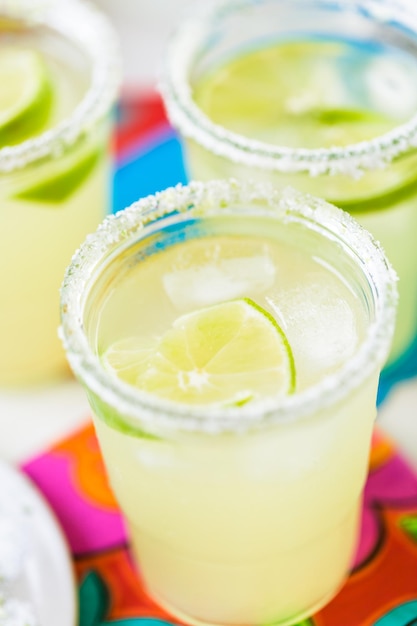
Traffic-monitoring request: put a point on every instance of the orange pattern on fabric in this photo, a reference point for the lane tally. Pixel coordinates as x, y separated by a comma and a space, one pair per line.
382, 450
87, 468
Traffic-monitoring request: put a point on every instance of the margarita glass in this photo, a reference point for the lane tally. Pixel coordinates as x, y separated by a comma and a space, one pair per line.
230, 339
60, 64
318, 94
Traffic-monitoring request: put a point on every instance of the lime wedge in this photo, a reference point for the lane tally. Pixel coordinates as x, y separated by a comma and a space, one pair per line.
26, 95
63, 181
228, 353
289, 94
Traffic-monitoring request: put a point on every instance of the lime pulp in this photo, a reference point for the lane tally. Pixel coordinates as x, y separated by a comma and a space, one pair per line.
228, 353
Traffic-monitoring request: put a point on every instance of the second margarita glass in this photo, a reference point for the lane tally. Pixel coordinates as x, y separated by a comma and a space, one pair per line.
318, 94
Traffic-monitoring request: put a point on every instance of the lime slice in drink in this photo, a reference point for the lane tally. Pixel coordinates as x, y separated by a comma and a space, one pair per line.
227, 353
62, 181
25, 96
289, 94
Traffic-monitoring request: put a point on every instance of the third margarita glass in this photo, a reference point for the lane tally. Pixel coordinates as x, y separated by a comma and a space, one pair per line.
59, 71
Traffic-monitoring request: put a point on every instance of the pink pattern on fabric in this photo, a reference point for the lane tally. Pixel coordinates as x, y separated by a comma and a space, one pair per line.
394, 485
88, 527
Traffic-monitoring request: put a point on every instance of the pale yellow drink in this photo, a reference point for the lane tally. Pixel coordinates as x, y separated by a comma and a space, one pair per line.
257, 510
54, 170
240, 481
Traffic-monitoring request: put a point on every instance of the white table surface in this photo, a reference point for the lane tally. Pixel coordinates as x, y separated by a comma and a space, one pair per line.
32, 420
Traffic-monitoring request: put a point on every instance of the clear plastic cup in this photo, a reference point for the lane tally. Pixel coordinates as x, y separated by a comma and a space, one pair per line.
240, 511
55, 171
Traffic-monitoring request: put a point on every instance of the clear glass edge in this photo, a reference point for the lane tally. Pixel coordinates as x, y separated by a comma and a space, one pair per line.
155, 414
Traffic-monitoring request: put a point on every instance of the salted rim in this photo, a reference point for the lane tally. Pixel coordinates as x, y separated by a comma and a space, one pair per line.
86, 27
184, 113
223, 198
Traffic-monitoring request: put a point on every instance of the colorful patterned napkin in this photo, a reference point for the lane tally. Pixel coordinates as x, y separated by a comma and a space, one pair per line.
382, 587
381, 590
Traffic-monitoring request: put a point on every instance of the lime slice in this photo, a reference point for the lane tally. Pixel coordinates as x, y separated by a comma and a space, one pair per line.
63, 180
289, 94
26, 96
227, 353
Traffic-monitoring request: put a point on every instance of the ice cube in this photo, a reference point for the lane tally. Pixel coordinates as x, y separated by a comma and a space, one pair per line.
217, 281
392, 87
320, 325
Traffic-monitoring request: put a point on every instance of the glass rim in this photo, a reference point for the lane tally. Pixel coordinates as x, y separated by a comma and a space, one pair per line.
352, 159
89, 29
140, 408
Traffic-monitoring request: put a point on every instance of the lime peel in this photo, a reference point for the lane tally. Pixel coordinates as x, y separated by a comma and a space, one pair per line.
57, 187
26, 103
286, 343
